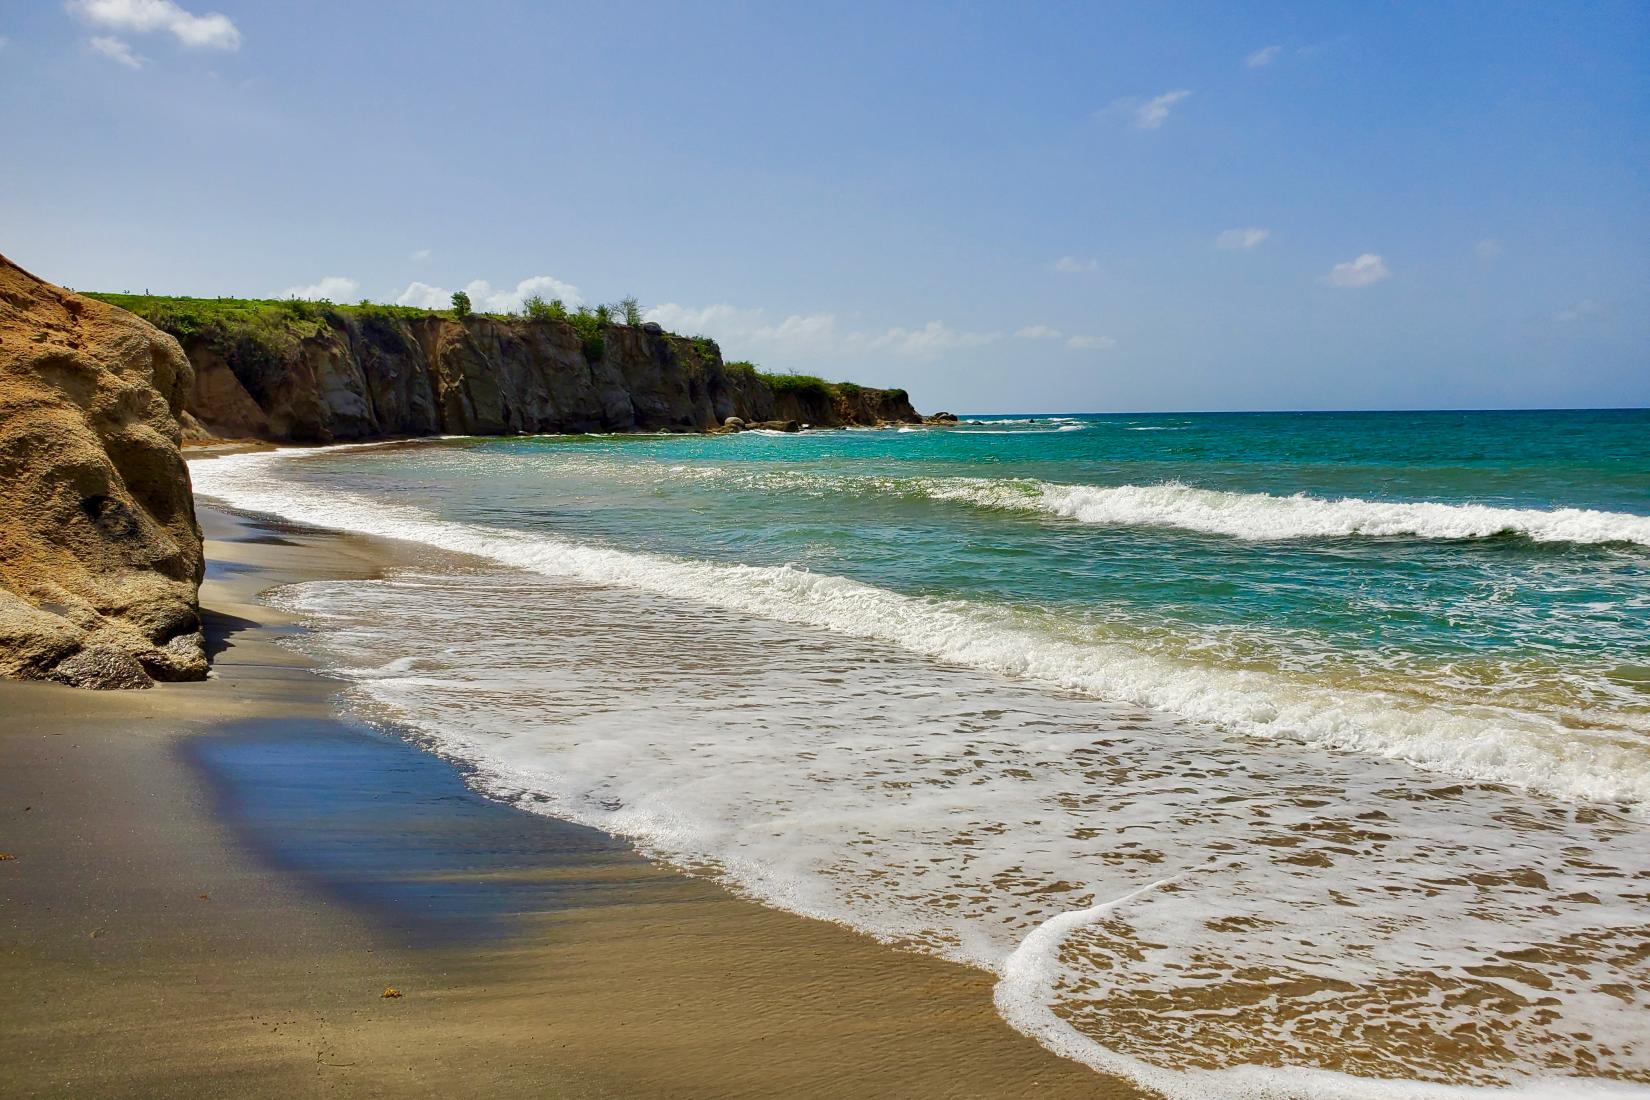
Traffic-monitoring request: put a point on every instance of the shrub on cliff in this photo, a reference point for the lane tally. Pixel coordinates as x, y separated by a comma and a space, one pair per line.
799, 385
461, 304
254, 338
588, 324
537, 309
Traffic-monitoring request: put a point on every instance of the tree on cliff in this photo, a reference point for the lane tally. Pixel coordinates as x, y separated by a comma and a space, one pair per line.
537, 309
461, 304
631, 310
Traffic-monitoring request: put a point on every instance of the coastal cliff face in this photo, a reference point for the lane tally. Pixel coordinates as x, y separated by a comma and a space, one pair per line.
314, 373
100, 554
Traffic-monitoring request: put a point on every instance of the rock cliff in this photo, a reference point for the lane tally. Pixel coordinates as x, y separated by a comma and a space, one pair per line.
318, 373
100, 554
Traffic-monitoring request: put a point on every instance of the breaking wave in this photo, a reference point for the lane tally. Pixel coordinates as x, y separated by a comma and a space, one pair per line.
1481, 742
1263, 516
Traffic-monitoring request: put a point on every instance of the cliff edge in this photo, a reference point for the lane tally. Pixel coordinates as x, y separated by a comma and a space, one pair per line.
314, 372
100, 554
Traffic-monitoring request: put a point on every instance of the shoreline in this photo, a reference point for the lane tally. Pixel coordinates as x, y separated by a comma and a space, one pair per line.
215, 882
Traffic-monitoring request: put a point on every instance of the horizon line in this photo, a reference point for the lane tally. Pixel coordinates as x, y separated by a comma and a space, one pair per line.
1319, 412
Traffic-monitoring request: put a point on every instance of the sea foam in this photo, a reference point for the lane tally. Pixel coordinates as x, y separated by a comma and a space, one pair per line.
1254, 517
1482, 742
990, 822
977, 815
1263, 516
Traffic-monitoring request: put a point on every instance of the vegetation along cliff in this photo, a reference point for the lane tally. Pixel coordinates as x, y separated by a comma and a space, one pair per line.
314, 372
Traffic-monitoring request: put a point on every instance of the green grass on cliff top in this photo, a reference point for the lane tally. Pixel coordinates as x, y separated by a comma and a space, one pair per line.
187, 316
267, 325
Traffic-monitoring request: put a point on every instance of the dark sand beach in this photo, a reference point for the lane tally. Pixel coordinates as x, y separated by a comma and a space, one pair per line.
213, 884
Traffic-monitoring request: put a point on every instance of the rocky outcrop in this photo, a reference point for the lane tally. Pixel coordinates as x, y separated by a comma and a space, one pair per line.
762, 399
100, 554
297, 372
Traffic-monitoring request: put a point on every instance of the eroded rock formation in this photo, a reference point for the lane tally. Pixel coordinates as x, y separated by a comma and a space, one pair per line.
302, 373
100, 554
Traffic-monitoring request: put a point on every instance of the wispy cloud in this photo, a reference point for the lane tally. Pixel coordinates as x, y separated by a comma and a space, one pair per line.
1489, 249
1242, 239
930, 340
1314, 49
1366, 269
4, 41
333, 288
1072, 265
812, 335
1263, 57
1581, 311
421, 254
210, 31
115, 50
485, 298
1091, 343
1038, 332
1155, 112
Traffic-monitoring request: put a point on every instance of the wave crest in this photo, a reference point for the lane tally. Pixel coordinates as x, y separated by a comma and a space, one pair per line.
1261, 517
1486, 742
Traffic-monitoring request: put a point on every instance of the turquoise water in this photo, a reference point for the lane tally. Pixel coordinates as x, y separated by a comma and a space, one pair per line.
1560, 626
1266, 755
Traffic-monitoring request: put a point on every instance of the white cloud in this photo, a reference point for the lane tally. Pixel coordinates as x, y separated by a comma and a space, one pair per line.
930, 340
421, 254
116, 50
749, 332
425, 296
1091, 343
1038, 332
1155, 112
801, 335
1581, 311
1071, 265
1241, 239
1263, 57
1366, 269
334, 288
488, 300
485, 299
209, 31
1489, 249
4, 41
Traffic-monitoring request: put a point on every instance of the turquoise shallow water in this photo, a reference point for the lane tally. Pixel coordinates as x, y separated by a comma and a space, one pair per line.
1559, 621
1257, 755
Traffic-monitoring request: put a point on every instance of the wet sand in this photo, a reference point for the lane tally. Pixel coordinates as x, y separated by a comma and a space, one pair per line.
214, 884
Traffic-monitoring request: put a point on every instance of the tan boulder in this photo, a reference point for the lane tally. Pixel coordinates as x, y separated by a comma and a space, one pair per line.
100, 554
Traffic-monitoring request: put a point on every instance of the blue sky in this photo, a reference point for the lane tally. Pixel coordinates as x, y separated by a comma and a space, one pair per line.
1000, 207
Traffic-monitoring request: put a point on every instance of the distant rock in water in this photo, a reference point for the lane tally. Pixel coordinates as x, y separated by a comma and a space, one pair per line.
100, 554
307, 372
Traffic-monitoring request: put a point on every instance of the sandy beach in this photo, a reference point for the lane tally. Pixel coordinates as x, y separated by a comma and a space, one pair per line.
761, 550
212, 885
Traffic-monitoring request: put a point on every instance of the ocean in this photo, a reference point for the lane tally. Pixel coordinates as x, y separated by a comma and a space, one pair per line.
1259, 755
